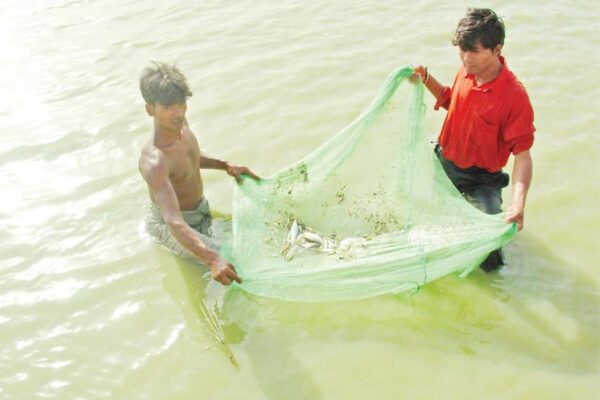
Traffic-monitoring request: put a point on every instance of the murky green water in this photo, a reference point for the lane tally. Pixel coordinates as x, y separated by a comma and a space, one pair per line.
91, 308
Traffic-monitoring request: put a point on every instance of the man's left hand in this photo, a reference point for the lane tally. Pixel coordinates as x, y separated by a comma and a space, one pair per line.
237, 172
514, 214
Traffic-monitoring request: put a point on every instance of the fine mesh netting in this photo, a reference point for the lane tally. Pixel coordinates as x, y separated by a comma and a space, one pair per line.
369, 212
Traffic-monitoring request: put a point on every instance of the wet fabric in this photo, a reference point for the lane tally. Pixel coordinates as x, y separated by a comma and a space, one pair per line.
377, 188
198, 219
483, 190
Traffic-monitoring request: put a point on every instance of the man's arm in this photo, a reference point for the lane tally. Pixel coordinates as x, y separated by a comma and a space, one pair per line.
521, 177
432, 84
157, 177
208, 162
434, 87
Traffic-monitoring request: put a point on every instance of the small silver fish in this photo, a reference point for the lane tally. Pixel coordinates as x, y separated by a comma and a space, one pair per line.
288, 250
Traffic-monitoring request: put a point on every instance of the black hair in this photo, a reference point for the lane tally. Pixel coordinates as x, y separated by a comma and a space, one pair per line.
479, 25
164, 84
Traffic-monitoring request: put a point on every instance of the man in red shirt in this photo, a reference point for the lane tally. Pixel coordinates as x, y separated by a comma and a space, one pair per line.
489, 117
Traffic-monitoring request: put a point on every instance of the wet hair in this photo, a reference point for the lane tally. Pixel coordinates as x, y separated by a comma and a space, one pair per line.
164, 84
479, 25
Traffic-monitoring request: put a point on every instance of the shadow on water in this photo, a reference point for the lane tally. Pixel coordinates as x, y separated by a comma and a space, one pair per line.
559, 298
537, 311
279, 373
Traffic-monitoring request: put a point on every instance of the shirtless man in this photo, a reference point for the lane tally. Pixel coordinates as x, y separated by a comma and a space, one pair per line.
170, 164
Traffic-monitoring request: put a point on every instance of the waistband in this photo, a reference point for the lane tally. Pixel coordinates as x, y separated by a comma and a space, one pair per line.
471, 170
467, 178
192, 217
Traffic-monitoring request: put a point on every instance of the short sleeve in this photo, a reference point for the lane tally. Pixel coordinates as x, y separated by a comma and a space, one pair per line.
519, 128
444, 100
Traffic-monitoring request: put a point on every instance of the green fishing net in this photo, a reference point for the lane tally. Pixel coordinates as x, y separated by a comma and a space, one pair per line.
369, 212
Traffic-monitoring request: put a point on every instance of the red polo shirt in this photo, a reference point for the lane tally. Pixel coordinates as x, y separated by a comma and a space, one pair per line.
485, 123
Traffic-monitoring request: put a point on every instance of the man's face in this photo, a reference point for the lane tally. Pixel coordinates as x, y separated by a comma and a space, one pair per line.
479, 59
170, 117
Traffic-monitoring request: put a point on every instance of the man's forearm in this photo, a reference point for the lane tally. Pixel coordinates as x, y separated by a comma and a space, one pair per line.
434, 87
521, 177
207, 162
186, 237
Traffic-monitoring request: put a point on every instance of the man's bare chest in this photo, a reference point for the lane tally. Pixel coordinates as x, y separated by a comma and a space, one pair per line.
184, 164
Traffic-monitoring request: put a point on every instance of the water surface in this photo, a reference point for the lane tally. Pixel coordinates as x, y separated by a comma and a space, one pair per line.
91, 308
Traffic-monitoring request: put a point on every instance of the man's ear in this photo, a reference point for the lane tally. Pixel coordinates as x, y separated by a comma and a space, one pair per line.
150, 110
497, 49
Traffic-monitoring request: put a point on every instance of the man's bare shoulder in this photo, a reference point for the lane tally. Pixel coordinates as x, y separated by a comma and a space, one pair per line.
190, 135
152, 163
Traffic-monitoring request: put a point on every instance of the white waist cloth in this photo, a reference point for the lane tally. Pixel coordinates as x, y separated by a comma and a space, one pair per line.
198, 219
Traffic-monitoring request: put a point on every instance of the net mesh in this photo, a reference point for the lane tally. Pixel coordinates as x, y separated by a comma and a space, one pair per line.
369, 212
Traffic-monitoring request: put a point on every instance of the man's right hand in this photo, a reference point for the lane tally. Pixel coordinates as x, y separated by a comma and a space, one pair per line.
223, 272
419, 72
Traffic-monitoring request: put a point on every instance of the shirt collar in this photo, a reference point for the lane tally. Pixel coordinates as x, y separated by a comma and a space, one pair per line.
492, 85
